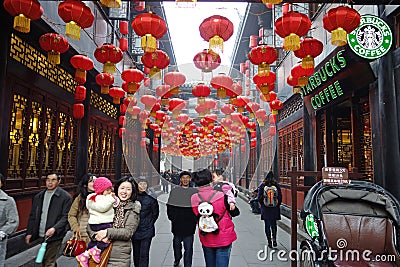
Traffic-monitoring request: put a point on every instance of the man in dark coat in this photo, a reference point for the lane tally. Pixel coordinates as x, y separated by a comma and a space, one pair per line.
183, 220
270, 214
49, 218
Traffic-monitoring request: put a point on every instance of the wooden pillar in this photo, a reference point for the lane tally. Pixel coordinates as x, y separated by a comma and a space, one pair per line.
388, 128
82, 156
309, 148
5, 94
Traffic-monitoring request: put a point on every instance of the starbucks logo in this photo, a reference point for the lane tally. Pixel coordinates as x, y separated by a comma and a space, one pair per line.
372, 39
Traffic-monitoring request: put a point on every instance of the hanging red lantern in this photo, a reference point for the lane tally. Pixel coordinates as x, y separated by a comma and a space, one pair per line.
164, 92
123, 44
301, 74
82, 64
116, 93
340, 21
151, 27
80, 93
105, 80
54, 44
23, 11
156, 61
174, 79
309, 49
215, 30
132, 77
175, 106
291, 26
77, 15
123, 27
222, 83
109, 55
78, 111
207, 60
263, 56
201, 91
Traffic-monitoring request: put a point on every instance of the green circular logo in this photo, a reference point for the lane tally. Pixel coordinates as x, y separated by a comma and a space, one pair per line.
372, 39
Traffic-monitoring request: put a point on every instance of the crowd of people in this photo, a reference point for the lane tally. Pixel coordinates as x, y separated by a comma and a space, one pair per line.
121, 217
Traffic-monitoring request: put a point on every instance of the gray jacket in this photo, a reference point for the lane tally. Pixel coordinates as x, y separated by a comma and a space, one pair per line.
9, 219
121, 237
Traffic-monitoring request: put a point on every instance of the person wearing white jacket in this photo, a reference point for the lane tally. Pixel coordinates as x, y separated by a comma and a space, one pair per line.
101, 215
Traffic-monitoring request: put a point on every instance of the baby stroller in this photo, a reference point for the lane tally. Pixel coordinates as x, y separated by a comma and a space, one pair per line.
355, 224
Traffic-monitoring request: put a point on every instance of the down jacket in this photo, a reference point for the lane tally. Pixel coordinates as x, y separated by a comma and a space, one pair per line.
121, 237
226, 234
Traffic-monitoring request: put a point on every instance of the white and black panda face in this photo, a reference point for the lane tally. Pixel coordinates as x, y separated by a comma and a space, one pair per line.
205, 209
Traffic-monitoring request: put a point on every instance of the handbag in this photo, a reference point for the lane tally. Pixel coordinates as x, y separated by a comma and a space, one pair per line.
75, 245
105, 256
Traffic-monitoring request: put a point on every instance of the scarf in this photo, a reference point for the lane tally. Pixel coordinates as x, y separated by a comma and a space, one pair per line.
119, 216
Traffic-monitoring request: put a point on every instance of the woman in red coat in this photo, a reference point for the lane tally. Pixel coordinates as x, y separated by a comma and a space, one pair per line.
217, 245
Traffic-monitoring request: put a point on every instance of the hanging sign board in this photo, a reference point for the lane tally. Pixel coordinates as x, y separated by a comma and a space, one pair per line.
335, 175
372, 39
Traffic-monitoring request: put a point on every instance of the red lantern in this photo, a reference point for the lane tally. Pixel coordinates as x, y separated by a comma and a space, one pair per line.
176, 105
201, 91
301, 74
341, 21
291, 26
263, 56
78, 111
309, 49
123, 44
174, 80
123, 27
105, 80
23, 11
222, 83
116, 93
151, 27
215, 30
164, 92
207, 60
82, 65
54, 44
109, 55
77, 15
132, 77
80, 93
156, 61
148, 101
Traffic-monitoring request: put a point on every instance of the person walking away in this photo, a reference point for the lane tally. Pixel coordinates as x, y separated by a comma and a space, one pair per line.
49, 218
270, 198
126, 221
183, 220
78, 215
101, 215
216, 245
146, 230
9, 219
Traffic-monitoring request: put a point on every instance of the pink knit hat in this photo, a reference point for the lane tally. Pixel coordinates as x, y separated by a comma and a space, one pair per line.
101, 184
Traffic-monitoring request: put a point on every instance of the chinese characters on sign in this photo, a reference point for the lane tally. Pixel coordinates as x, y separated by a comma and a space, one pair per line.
335, 175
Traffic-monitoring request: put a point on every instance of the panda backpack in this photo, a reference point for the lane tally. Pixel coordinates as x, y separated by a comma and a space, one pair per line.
207, 223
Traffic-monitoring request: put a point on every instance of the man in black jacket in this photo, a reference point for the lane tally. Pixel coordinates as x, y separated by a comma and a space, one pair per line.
49, 218
183, 220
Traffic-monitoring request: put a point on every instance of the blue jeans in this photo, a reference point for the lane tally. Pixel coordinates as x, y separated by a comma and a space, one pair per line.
187, 245
217, 257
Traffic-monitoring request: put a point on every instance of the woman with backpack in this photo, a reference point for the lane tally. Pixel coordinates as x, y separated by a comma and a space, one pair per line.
270, 198
216, 229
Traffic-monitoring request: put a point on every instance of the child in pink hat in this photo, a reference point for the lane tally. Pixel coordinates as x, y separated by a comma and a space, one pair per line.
101, 215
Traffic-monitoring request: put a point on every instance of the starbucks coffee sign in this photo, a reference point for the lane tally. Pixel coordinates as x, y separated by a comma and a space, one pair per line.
372, 39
